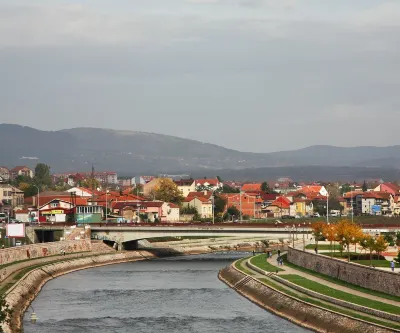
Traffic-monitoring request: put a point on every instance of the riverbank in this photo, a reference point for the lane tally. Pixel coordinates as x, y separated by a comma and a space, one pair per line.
261, 288
26, 289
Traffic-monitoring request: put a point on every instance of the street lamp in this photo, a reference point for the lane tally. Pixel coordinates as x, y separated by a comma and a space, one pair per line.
334, 240
212, 199
327, 207
106, 206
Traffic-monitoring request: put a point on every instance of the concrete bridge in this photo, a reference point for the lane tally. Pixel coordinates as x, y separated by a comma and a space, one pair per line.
128, 236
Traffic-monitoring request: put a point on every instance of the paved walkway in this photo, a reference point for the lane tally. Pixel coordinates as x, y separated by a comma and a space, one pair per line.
12, 270
289, 270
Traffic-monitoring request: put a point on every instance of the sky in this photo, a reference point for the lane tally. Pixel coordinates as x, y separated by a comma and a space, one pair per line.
251, 75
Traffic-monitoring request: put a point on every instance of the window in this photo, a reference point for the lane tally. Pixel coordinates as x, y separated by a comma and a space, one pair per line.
5, 194
54, 204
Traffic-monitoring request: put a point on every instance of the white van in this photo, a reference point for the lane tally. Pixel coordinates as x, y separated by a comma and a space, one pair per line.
334, 213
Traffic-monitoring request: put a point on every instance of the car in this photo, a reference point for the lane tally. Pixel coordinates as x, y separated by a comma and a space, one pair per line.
287, 217
3, 217
316, 215
15, 221
18, 243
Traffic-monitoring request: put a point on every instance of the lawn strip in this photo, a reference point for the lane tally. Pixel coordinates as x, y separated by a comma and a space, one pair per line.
340, 282
261, 262
238, 265
341, 295
329, 307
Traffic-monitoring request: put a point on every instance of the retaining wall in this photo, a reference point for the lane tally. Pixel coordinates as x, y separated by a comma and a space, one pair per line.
26, 289
364, 276
40, 250
295, 310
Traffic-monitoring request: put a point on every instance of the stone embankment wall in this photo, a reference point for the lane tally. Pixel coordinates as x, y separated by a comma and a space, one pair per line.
364, 276
40, 250
24, 291
297, 311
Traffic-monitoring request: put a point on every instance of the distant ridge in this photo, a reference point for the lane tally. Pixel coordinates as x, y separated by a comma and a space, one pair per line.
133, 152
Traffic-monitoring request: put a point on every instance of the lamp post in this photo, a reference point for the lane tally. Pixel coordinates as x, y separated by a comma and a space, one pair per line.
240, 201
304, 236
334, 240
293, 228
106, 206
212, 199
327, 207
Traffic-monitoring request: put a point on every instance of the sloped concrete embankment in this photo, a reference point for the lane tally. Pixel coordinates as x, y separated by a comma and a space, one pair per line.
25, 290
295, 310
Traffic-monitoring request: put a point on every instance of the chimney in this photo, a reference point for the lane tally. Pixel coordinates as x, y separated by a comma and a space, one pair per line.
205, 192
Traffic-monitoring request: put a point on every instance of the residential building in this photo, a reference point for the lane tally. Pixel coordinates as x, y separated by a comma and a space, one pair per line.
21, 171
212, 184
251, 187
4, 175
11, 196
249, 205
56, 210
391, 188
81, 192
186, 186
280, 207
202, 204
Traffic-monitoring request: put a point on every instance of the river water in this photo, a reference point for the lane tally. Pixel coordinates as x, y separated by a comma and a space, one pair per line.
180, 294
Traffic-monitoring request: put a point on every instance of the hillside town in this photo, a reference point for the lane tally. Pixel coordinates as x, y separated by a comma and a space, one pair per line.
28, 195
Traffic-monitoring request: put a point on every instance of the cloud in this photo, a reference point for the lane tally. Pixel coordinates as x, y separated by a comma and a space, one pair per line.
384, 14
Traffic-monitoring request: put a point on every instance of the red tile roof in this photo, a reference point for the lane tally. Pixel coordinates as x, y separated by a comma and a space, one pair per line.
251, 187
213, 181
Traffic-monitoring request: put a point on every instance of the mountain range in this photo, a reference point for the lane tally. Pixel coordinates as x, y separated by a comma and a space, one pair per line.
133, 152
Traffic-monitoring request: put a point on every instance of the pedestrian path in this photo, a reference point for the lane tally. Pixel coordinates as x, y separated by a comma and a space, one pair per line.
288, 270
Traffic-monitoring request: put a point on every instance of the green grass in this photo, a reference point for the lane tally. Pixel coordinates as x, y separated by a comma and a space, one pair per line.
323, 247
340, 282
335, 293
375, 263
238, 265
328, 306
261, 262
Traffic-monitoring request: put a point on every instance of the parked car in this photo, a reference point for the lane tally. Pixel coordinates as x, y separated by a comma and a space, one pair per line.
316, 215
18, 243
3, 217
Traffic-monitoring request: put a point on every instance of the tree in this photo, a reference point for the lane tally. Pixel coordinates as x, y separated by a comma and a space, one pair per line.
168, 191
5, 313
202, 188
329, 232
345, 188
380, 245
42, 175
137, 189
219, 204
265, 187
318, 231
348, 233
90, 183
229, 189
231, 211
365, 187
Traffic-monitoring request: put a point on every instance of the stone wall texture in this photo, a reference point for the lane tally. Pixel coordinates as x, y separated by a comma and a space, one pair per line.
364, 276
297, 311
40, 250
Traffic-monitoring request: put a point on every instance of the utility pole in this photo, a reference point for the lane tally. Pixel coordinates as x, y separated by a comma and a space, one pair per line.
92, 177
327, 207
212, 198
240, 199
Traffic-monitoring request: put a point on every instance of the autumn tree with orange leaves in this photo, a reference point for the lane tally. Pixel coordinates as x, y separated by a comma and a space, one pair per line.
348, 233
318, 231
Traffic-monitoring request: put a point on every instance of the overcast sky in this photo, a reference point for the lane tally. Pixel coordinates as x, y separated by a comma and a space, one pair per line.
253, 75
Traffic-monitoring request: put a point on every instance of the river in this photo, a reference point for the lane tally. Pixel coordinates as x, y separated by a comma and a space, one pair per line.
180, 294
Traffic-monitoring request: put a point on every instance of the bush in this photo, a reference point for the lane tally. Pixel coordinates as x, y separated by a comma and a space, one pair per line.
366, 257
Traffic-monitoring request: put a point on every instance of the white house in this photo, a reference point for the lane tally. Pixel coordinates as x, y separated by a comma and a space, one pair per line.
212, 184
186, 186
172, 212
80, 192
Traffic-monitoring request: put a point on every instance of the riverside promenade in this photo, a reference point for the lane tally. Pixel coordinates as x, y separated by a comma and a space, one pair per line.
362, 309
